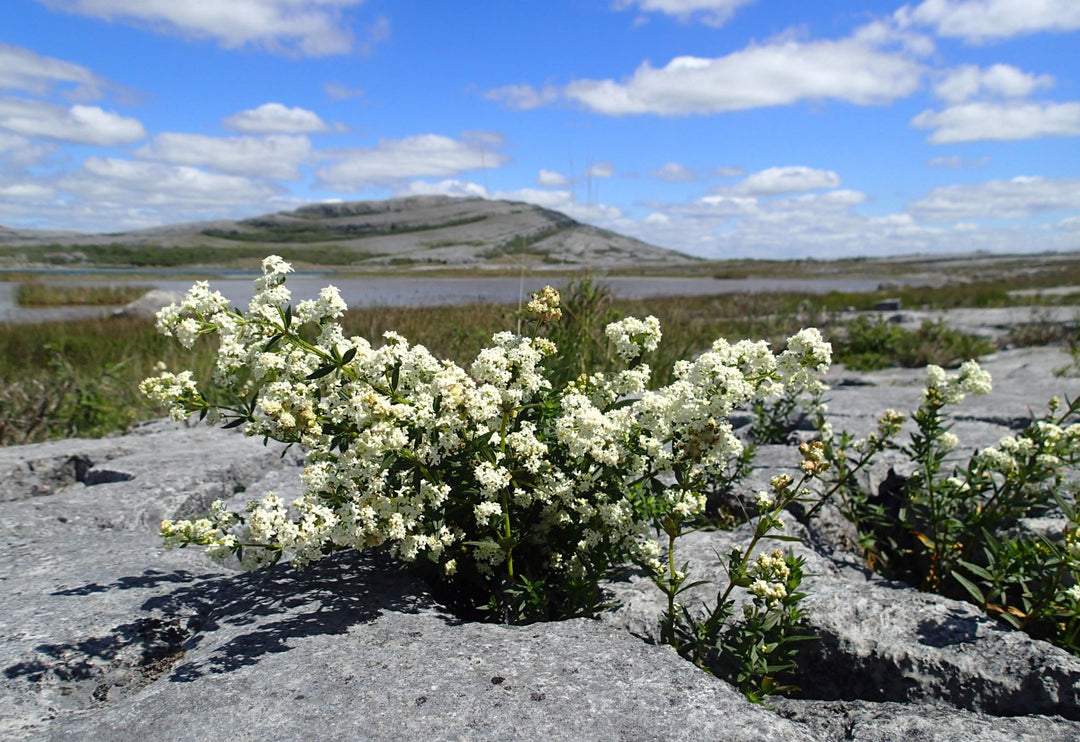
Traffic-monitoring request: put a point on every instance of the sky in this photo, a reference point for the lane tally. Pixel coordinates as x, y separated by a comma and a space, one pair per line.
720, 128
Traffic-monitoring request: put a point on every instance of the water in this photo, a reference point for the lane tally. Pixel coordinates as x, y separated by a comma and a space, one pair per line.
421, 291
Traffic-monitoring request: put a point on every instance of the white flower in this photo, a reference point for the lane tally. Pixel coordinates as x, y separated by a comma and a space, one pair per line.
632, 336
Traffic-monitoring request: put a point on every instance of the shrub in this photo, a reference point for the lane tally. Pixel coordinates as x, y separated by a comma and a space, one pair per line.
513, 495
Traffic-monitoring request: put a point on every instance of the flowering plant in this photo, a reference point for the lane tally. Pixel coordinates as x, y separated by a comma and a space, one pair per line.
955, 530
514, 495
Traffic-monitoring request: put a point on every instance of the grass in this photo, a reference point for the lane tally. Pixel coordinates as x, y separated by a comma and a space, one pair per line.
39, 294
84, 375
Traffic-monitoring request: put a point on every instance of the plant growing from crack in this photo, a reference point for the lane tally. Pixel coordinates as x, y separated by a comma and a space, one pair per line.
512, 492
957, 529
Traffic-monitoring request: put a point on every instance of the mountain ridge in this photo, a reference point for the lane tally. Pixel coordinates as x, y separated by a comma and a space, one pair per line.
416, 230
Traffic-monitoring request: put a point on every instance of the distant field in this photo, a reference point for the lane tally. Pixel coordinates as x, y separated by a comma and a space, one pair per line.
79, 378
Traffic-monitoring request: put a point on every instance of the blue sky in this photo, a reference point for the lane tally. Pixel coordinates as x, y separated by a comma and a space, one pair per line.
722, 128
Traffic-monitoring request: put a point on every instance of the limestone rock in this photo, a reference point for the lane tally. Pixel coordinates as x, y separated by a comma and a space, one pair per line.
103, 635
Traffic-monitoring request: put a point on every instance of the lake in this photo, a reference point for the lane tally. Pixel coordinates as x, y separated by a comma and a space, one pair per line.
421, 291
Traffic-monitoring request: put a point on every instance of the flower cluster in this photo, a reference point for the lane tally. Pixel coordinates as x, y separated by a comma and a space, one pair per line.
770, 573
492, 477
971, 379
544, 306
632, 336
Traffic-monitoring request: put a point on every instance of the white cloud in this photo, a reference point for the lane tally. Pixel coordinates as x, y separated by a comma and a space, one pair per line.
20, 152
972, 122
552, 179
275, 118
448, 187
728, 172
600, 170
22, 69
673, 172
377, 32
776, 180
838, 200
523, 97
424, 155
876, 65
964, 83
557, 200
26, 192
821, 225
955, 162
276, 156
337, 91
723, 206
79, 124
827, 226
1019, 198
711, 12
307, 27
984, 20
114, 181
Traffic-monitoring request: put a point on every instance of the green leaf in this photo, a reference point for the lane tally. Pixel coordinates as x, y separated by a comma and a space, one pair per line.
235, 423
971, 587
272, 342
976, 570
349, 355
320, 372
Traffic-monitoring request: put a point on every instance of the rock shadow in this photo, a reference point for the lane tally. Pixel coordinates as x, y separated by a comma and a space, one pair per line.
278, 604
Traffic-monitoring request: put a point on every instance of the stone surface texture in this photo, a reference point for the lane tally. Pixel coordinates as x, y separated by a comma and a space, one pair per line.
105, 635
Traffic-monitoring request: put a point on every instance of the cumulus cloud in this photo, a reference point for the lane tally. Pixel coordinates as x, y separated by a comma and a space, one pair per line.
876, 65
523, 97
673, 172
552, 179
116, 181
22, 69
969, 81
559, 200
822, 225
424, 155
976, 121
79, 124
986, 20
777, 180
709, 12
275, 118
1019, 198
306, 27
449, 187
276, 156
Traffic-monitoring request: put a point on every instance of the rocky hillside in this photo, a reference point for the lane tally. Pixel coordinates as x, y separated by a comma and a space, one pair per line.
419, 231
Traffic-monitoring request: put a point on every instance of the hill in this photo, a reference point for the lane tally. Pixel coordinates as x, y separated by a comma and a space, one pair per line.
417, 231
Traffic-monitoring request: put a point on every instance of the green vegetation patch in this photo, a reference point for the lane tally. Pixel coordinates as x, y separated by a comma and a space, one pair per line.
39, 294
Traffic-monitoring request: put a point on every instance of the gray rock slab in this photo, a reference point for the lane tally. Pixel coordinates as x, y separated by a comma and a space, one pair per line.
103, 635
862, 721
351, 651
879, 640
149, 303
